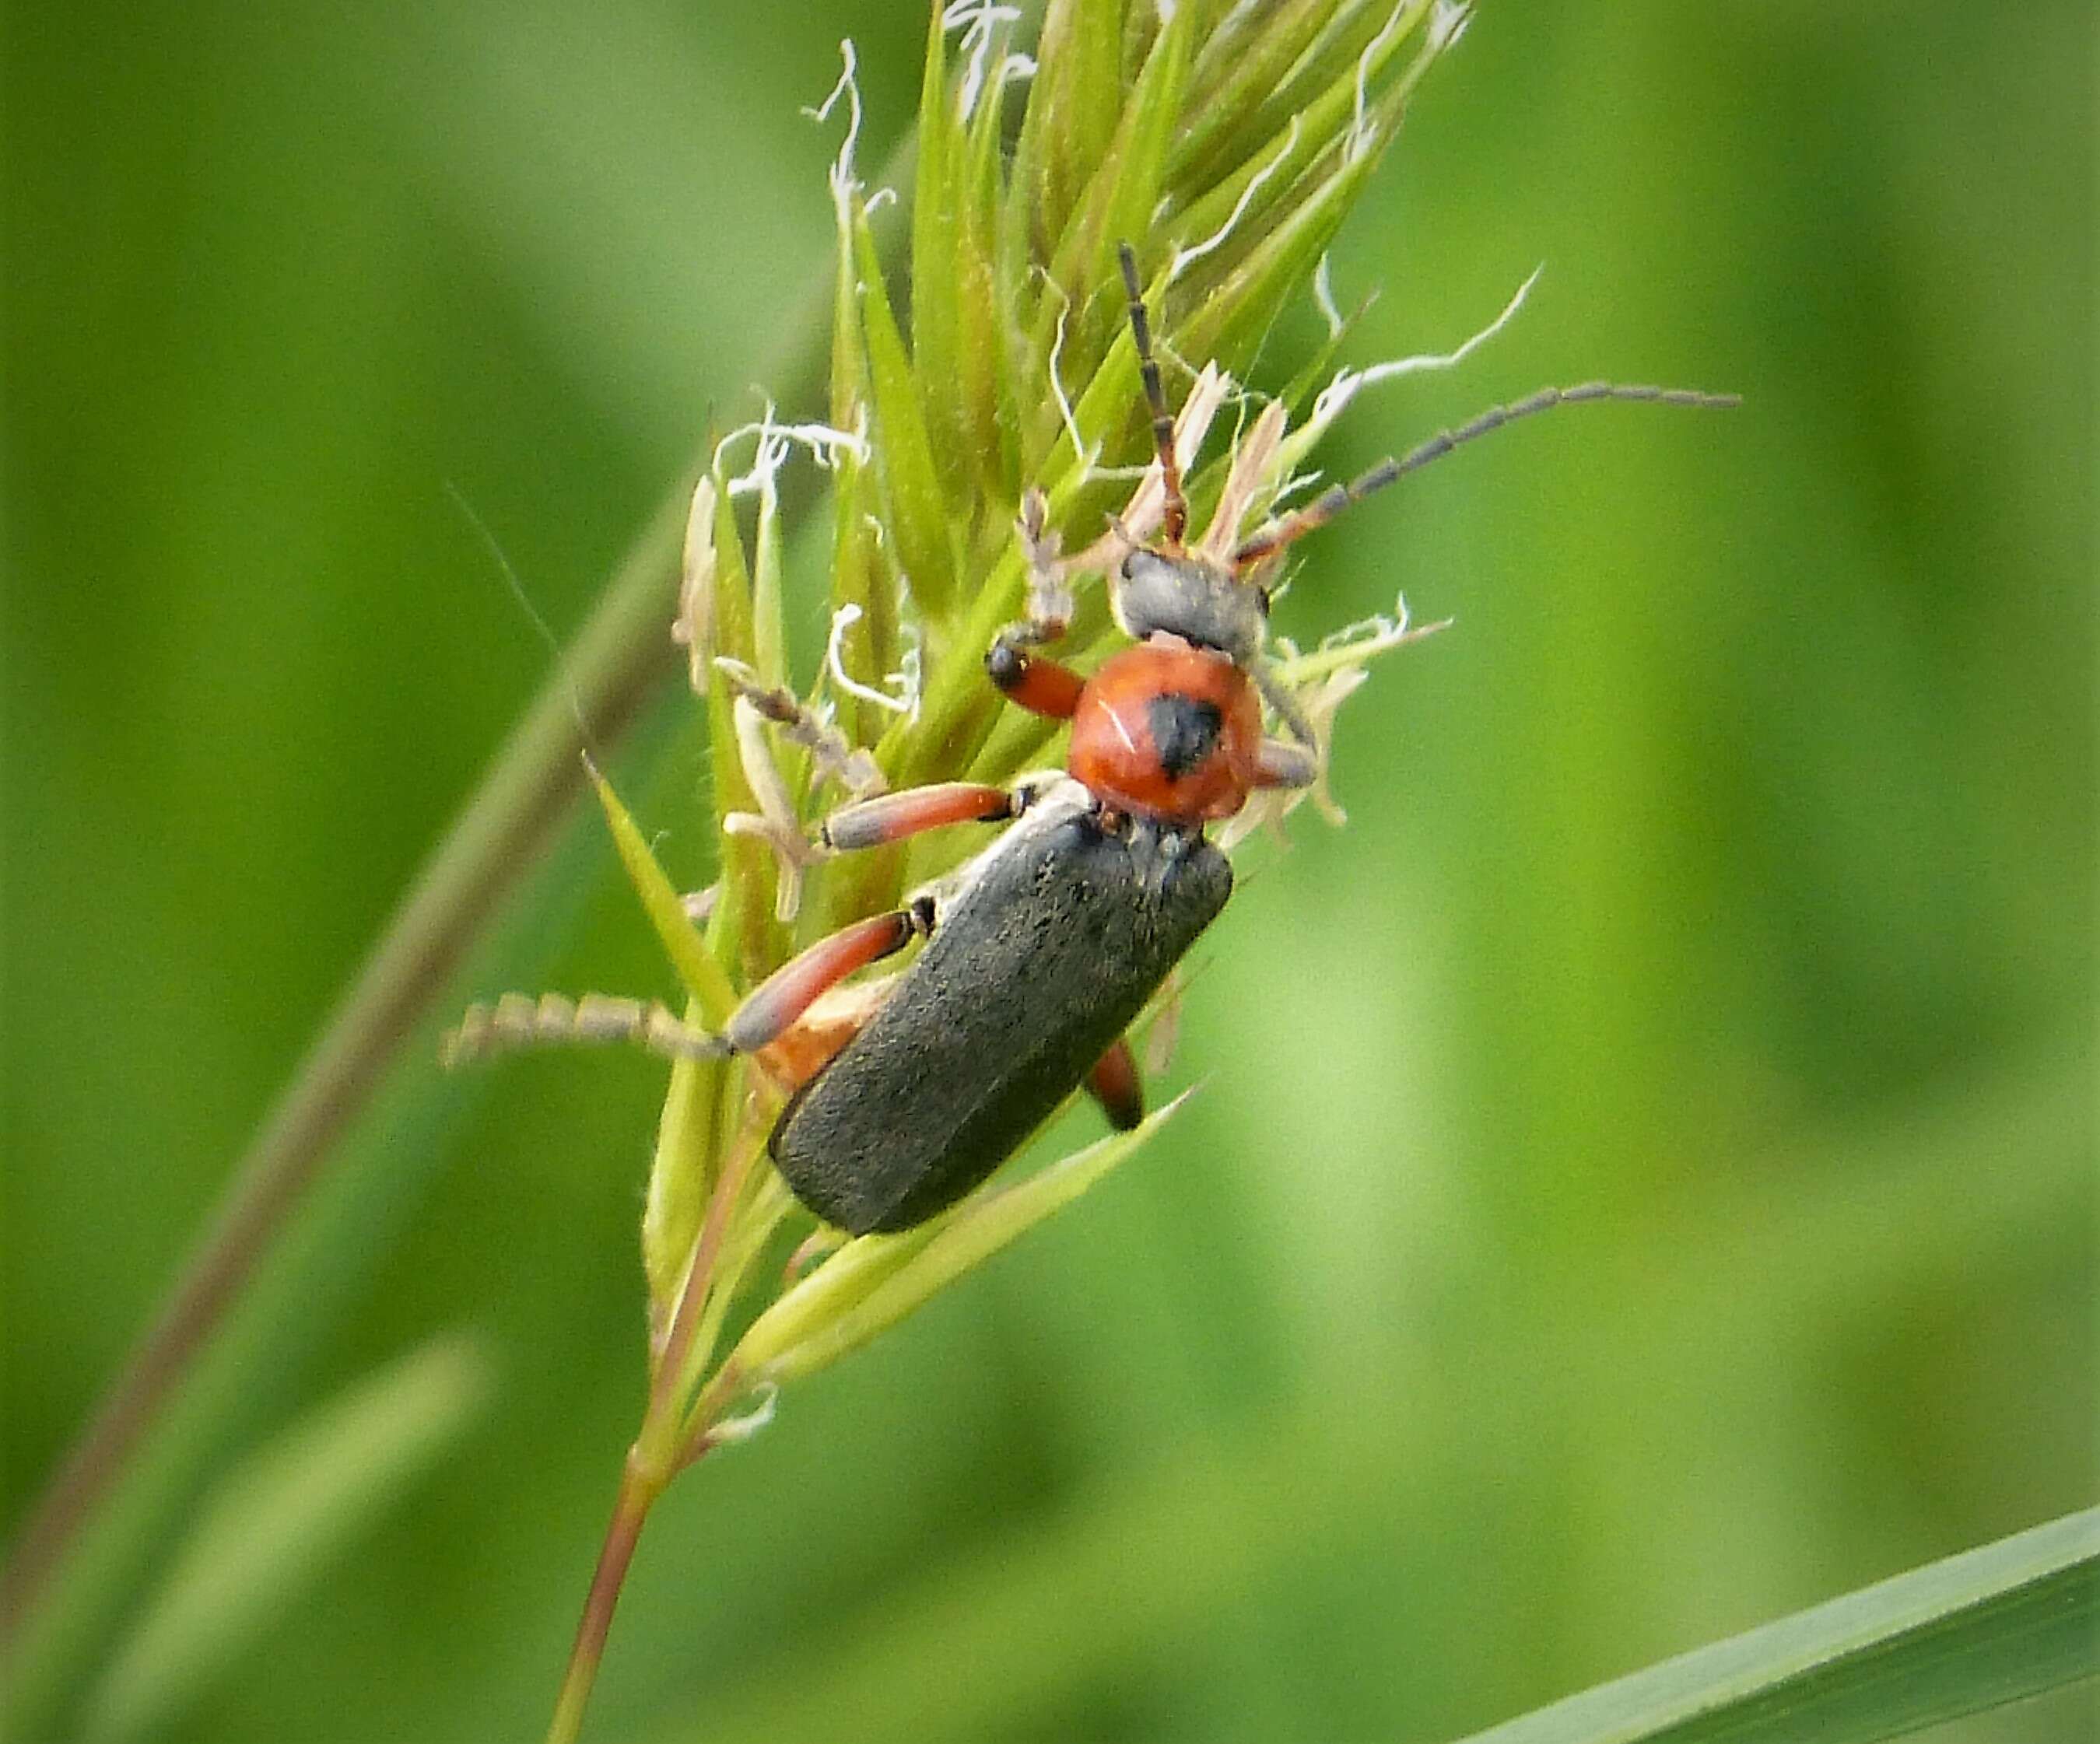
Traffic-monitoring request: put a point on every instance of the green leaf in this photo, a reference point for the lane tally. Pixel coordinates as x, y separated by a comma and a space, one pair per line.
681, 1175
735, 634
1301, 137
1076, 100
269, 1527
861, 588
938, 220
1355, 46
742, 923
1233, 319
2012, 1619
1019, 222
917, 512
1139, 161
994, 428
882, 1279
695, 964
861, 576
1237, 74
827, 1297
769, 606
1118, 207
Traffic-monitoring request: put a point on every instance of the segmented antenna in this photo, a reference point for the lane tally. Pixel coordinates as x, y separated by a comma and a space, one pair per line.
1336, 498
518, 1020
1316, 513
1545, 400
1175, 522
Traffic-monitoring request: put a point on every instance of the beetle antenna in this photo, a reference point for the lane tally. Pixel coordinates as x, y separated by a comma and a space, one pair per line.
1332, 501
1316, 513
1545, 400
1175, 522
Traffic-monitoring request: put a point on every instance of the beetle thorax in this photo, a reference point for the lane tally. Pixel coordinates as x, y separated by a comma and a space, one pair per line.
1168, 731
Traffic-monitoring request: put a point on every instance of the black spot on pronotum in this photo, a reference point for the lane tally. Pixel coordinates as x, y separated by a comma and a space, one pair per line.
1185, 731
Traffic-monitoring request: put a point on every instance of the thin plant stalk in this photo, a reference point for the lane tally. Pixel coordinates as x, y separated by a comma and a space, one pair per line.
645, 1475
602, 680
658, 1455
615, 662
630, 1510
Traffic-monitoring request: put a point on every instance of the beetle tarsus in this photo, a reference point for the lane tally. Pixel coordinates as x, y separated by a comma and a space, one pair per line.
516, 1021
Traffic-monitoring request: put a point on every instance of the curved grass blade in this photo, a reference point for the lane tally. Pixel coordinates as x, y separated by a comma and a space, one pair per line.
271, 1525
876, 1280
353, 1138
910, 475
2012, 1619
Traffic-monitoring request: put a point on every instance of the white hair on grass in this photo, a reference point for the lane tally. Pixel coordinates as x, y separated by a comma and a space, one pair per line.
909, 660
1321, 682
1070, 418
848, 87
905, 703
1362, 134
1448, 21
824, 443
978, 20
768, 457
843, 183
1353, 644
1297, 485
1323, 297
1184, 258
726, 1431
1087, 453
1334, 399
1367, 629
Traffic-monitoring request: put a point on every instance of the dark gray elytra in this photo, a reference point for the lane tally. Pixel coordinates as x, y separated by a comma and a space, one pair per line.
1058, 936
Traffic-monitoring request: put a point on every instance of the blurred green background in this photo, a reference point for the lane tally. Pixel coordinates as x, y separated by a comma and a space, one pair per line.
1644, 1181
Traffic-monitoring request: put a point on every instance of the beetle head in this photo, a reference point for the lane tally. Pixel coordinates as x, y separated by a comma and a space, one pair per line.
1186, 594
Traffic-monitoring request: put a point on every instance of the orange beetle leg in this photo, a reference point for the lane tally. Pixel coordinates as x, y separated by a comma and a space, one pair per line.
784, 995
875, 823
1278, 764
1115, 1084
1042, 687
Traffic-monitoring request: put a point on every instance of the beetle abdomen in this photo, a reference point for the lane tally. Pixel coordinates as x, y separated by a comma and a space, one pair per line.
1043, 959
